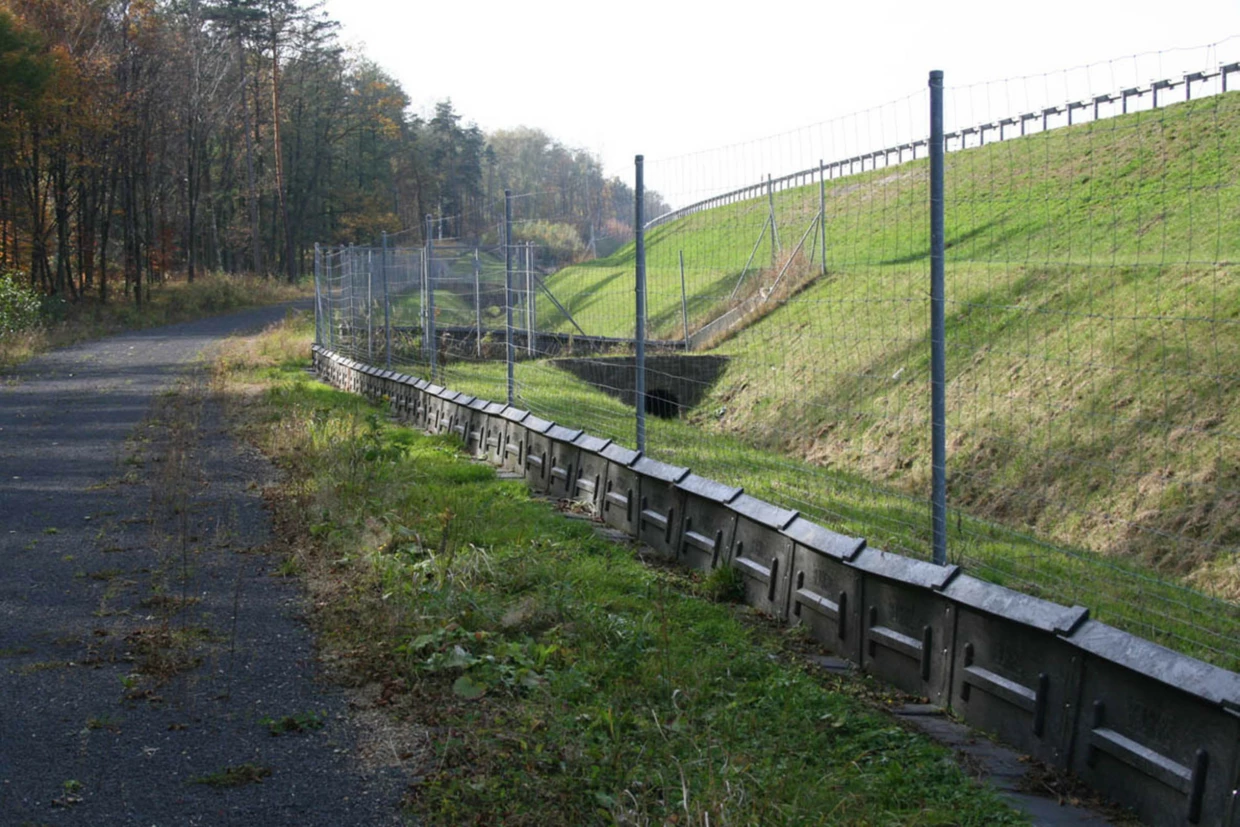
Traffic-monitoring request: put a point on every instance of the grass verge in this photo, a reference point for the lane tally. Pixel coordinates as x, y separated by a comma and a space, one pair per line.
564, 681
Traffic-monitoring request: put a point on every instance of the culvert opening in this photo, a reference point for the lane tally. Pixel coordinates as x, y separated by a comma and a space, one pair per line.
663, 404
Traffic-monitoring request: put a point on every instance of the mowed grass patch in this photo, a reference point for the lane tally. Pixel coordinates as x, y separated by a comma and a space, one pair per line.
565, 682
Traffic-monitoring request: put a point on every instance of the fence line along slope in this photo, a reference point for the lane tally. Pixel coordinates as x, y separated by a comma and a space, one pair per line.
1093, 337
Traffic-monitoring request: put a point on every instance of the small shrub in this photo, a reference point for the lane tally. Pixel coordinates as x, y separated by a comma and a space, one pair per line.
19, 305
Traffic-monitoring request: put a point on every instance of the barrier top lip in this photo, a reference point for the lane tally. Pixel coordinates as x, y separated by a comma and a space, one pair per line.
561, 434
448, 394
905, 569
1015, 606
463, 399
433, 389
513, 414
589, 442
661, 471
536, 424
421, 384
480, 404
1210, 683
762, 512
620, 455
708, 489
808, 533
496, 408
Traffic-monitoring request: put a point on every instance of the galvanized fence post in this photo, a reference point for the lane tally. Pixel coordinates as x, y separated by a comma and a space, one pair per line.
370, 305
387, 306
639, 331
331, 311
684, 300
477, 304
822, 211
511, 355
938, 342
770, 197
430, 295
529, 303
318, 294
352, 304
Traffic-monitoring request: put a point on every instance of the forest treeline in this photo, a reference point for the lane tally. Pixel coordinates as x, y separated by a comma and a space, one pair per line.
140, 138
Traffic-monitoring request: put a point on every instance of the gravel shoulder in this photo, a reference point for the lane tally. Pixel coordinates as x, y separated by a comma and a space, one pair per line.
147, 646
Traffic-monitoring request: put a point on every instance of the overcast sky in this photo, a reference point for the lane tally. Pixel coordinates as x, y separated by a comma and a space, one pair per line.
670, 78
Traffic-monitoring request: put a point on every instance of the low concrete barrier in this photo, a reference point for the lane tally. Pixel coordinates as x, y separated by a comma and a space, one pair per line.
1154, 729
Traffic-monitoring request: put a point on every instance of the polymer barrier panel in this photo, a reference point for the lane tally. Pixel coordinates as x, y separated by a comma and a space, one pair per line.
387, 385
591, 482
458, 422
432, 399
420, 403
708, 523
1014, 675
826, 591
1157, 730
443, 411
565, 454
514, 440
907, 622
535, 462
494, 427
762, 554
402, 398
659, 509
619, 499
475, 424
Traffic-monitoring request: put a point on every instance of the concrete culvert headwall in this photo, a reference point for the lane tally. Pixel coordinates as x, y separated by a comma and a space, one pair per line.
674, 382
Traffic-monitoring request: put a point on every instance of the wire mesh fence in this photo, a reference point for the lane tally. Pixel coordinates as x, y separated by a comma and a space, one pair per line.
1090, 349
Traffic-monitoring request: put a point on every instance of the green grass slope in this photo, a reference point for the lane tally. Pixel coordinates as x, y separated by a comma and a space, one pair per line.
1093, 334
1093, 327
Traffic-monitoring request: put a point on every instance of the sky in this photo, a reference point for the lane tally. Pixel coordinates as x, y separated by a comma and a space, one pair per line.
672, 79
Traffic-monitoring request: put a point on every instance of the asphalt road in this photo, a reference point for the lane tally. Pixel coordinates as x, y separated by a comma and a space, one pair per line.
144, 643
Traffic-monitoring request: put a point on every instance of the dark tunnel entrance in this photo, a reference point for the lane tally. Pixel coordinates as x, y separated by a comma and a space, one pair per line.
663, 404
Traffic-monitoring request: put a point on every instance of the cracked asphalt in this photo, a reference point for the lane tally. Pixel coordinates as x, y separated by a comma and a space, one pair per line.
145, 645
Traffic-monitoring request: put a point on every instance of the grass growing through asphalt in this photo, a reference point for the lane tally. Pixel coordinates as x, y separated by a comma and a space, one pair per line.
567, 682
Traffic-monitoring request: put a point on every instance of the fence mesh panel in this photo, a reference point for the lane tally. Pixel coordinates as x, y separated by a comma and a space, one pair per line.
1092, 328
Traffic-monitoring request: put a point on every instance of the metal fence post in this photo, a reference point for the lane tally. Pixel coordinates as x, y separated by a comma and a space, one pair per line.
639, 221
822, 211
684, 300
529, 304
770, 197
331, 311
430, 296
370, 305
318, 295
477, 303
938, 343
387, 306
508, 292
352, 303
